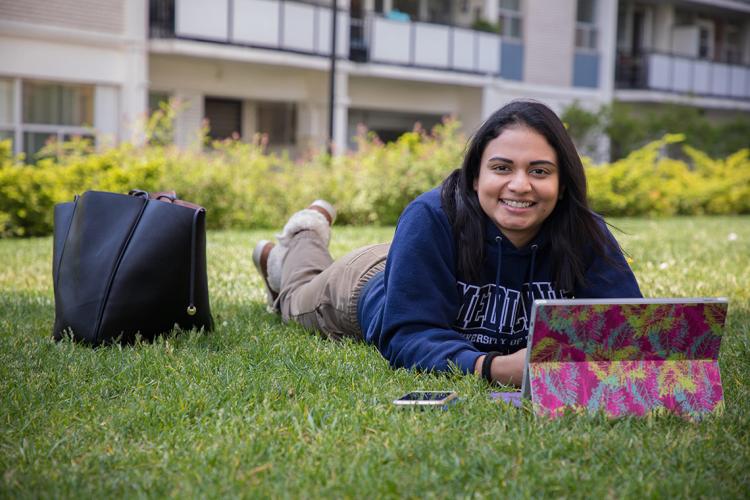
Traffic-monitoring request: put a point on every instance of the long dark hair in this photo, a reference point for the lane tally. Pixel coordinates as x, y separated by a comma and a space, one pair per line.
570, 225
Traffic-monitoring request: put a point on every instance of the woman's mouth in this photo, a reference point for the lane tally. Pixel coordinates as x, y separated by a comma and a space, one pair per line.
517, 203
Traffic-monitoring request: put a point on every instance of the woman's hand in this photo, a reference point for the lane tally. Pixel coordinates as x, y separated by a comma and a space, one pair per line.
506, 370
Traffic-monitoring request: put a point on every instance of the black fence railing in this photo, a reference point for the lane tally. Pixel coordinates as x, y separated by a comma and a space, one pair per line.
631, 72
682, 75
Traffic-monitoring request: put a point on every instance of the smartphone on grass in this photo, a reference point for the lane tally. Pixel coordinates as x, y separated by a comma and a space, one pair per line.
426, 399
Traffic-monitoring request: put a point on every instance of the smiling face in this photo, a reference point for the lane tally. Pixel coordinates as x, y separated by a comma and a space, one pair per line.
518, 183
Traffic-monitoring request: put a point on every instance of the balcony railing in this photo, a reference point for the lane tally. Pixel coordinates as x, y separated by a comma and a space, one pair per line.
683, 75
432, 46
302, 27
272, 24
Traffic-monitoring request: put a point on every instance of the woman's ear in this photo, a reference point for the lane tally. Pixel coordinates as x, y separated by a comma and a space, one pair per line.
475, 183
562, 191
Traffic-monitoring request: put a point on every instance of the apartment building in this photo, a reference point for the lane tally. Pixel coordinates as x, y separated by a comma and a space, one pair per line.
695, 53
94, 67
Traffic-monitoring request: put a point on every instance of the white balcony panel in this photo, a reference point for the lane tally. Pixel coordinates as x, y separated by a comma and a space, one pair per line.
463, 50
256, 22
681, 74
720, 80
324, 33
659, 71
739, 84
701, 77
431, 45
299, 27
201, 19
343, 34
489, 53
391, 41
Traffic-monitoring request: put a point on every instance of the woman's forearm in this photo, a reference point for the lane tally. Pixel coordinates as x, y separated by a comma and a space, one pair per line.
507, 370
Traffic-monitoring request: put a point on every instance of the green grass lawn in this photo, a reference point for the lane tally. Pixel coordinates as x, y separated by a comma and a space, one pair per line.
260, 409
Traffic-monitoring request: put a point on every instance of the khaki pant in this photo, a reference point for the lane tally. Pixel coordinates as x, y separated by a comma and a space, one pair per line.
321, 294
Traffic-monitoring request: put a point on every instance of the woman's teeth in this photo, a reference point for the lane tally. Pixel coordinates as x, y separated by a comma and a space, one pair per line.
517, 204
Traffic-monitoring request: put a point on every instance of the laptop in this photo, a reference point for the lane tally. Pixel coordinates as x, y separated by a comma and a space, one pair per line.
625, 356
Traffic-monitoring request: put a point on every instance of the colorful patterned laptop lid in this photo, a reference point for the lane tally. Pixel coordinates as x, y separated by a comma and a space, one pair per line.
625, 356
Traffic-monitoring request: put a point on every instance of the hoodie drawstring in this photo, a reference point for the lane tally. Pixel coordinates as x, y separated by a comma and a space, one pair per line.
499, 241
530, 300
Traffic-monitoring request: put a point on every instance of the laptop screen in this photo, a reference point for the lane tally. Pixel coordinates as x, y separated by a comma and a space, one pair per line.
632, 356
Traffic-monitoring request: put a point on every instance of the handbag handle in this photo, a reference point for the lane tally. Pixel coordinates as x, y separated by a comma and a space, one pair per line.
171, 197
168, 196
138, 193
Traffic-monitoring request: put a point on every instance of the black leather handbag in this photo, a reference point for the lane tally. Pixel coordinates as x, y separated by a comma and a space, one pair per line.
127, 265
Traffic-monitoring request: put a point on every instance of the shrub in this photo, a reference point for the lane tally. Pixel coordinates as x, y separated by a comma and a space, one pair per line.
242, 186
648, 183
630, 126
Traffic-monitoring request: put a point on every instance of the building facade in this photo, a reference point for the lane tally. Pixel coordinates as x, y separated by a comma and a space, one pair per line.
96, 67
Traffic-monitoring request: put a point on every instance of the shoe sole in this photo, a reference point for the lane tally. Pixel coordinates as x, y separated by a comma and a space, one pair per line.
260, 260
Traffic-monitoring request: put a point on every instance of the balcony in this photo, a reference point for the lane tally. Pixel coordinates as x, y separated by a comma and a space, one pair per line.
436, 46
305, 28
269, 24
683, 75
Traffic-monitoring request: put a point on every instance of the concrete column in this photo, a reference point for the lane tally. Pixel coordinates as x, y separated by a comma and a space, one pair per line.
662, 27
107, 115
249, 120
189, 120
341, 108
134, 93
606, 24
490, 10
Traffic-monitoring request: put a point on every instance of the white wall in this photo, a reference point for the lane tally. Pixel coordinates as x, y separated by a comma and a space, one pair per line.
94, 42
104, 16
549, 41
193, 78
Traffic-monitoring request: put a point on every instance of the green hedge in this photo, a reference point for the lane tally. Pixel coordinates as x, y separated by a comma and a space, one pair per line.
244, 187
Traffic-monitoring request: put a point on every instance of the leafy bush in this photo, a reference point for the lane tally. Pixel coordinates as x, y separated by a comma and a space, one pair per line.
28, 193
630, 127
242, 186
649, 183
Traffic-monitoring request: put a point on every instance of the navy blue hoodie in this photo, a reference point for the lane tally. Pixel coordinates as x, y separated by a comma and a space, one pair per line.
419, 314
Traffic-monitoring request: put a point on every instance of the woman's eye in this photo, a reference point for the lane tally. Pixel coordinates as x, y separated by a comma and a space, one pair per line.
500, 168
539, 172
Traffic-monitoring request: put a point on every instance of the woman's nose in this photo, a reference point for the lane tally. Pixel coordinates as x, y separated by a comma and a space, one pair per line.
519, 183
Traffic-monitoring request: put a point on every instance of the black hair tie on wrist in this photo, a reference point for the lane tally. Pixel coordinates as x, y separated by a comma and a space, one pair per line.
487, 365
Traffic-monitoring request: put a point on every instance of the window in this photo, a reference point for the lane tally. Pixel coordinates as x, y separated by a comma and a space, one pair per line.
509, 18
410, 7
6, 110
705, 38
55, 104
6, 102
278, 121
224, 117
155, 99
586, 32
731, 50
35, 113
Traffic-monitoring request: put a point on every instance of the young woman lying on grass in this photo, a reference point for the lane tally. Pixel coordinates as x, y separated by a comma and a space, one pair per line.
455, 286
